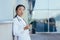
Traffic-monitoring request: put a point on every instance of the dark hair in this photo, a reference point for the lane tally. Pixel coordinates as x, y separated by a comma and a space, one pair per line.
18, 7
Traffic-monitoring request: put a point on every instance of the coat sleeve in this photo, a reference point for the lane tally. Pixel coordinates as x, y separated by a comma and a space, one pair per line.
17, 29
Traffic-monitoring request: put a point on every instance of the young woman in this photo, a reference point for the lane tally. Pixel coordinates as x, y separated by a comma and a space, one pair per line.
20, 28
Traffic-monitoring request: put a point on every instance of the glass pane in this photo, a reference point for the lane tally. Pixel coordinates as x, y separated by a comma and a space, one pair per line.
40, 18
41, 4
40, 14
54, 20
54, 4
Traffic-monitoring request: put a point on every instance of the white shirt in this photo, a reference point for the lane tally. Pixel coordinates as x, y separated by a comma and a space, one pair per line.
18, 29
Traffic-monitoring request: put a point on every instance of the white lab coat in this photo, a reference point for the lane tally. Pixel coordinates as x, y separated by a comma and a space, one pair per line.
18, 29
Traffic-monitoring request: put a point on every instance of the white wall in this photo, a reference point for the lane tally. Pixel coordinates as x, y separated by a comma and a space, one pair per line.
6, 9
5, 31
6, 15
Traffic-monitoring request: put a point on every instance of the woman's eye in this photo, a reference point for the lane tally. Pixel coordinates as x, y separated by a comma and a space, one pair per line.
19, 9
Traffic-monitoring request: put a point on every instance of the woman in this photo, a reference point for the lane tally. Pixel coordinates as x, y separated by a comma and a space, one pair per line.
20, 28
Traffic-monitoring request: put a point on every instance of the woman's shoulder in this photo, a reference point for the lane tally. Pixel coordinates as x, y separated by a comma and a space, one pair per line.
14, 19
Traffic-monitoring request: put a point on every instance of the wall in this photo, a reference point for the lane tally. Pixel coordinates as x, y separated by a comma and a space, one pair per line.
6, 31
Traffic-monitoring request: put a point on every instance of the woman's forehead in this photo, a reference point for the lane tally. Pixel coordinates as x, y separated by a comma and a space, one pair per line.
21, 7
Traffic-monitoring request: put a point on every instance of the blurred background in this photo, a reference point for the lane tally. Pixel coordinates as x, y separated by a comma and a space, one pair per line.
43, 15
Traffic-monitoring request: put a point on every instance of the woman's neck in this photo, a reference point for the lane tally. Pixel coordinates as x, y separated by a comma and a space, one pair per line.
19, 15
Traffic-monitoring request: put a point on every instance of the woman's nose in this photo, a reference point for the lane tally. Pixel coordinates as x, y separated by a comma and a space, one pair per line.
22, 10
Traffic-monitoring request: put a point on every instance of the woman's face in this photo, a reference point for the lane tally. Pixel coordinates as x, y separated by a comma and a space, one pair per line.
20, 11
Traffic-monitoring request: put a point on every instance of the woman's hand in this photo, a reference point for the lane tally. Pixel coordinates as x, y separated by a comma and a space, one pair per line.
26, 27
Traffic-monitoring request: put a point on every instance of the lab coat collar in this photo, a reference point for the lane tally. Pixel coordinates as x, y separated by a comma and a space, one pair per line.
19, 17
